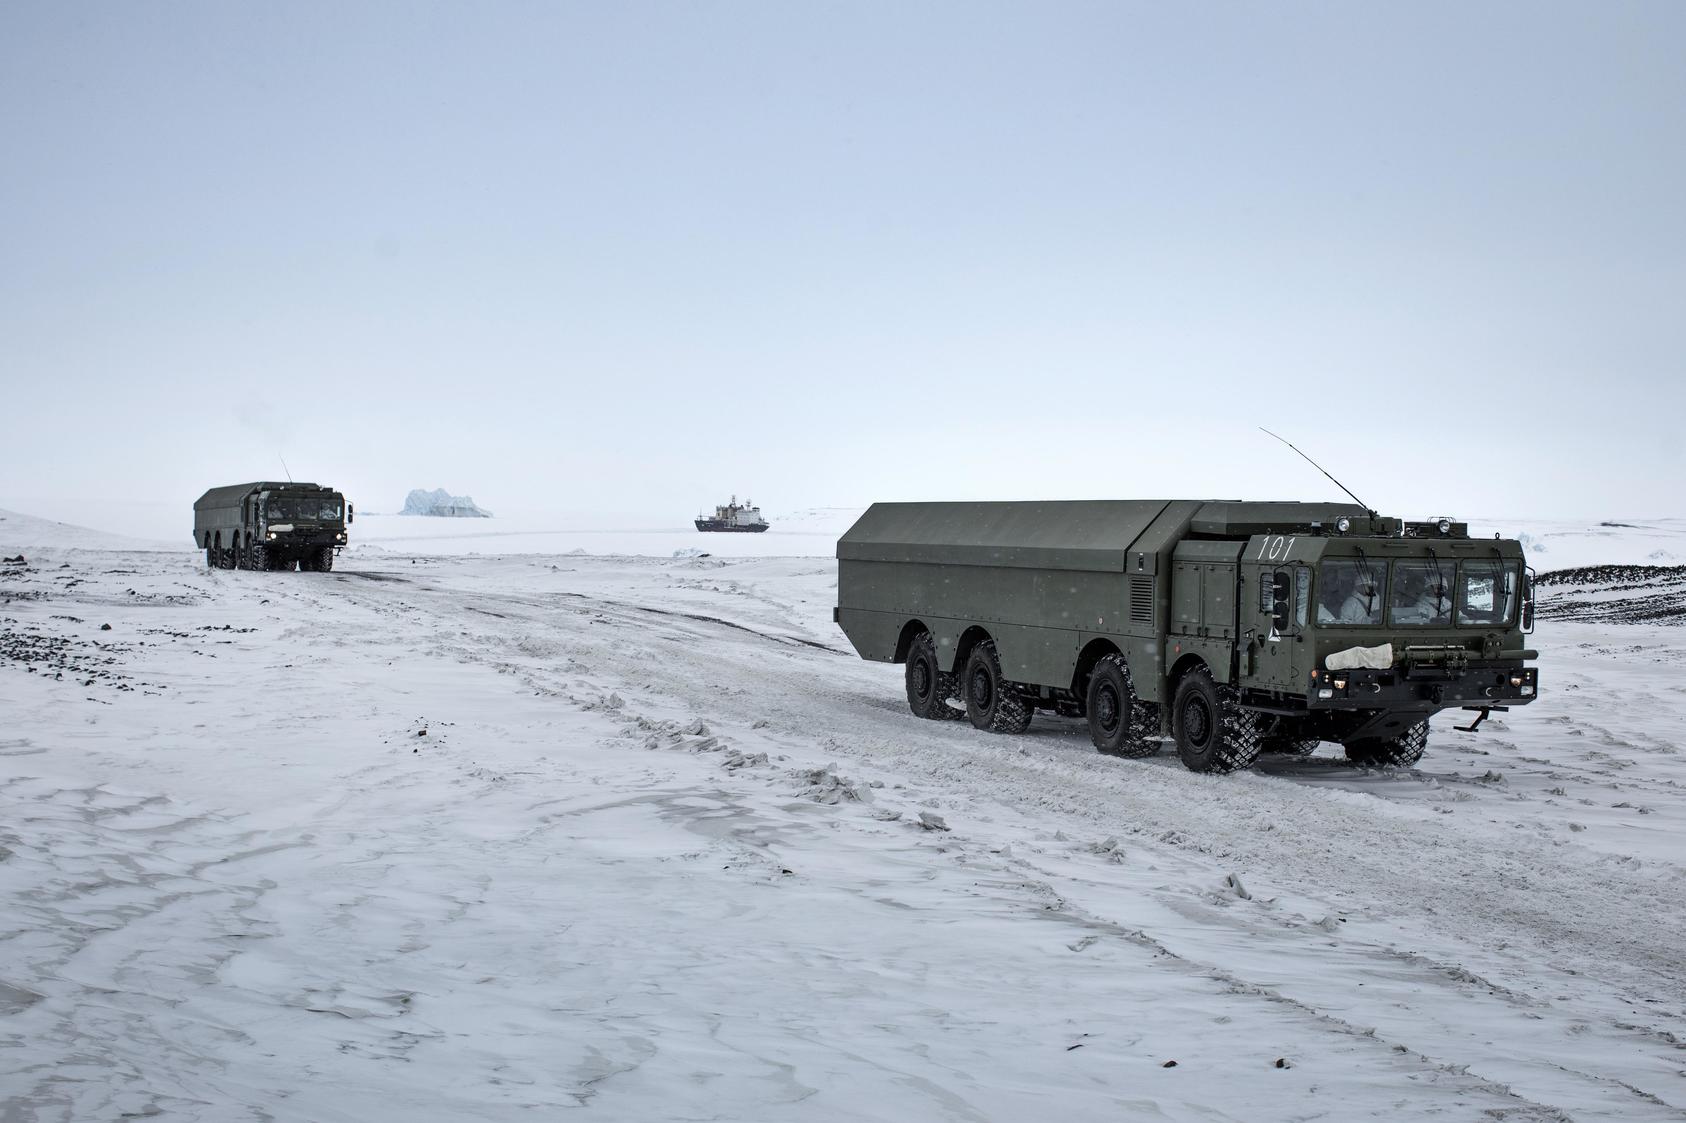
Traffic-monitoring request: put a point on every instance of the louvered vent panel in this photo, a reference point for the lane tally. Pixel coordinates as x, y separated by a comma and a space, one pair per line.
1141, 600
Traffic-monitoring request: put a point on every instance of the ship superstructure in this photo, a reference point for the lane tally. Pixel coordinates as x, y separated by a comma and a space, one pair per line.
734, 516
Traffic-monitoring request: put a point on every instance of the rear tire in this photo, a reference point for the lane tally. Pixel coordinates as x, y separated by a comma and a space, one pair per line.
1289, 746
991, 704
1391, 752
1119, 724
1214, 734
929, 687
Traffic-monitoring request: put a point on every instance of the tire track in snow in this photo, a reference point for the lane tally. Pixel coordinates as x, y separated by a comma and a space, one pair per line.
1351, 849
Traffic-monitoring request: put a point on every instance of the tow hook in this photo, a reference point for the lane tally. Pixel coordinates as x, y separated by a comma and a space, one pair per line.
1479, 718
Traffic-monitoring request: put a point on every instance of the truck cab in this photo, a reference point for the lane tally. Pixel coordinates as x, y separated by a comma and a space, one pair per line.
1350, 636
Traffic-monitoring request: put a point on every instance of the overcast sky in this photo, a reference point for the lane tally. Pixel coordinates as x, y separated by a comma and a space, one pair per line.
631, 258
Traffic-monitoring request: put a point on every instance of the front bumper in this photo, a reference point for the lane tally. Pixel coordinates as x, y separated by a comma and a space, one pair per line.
1430, 687
303, 539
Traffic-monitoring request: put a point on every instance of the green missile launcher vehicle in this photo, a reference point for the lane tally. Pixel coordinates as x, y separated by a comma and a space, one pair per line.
269, 525
1233, 628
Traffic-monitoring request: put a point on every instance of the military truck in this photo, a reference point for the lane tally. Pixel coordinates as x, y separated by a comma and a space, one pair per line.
273, 526
1231, 628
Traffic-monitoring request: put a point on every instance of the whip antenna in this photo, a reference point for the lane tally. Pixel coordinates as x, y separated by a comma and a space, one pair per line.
289, 471
1320, 468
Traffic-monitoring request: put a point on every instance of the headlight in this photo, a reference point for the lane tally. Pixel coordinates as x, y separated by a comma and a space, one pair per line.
1343, 524
1340, 684
1325, 693
1527, 692
272, 536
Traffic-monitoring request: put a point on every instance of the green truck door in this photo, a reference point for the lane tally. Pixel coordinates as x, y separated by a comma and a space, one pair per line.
1271, 657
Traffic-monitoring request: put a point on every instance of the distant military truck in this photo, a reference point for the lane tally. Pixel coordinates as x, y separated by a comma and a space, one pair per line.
1232, 628
270, 525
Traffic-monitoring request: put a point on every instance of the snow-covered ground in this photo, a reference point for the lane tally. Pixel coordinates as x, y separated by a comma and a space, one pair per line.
442, 836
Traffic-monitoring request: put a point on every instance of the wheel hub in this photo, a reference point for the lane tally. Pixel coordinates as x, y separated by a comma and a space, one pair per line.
982, 690
1106, 708
921, 679
1197, 722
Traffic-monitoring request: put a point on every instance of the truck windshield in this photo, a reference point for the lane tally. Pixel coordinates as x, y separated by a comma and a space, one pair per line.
284, 508
1486, 592
1351, 591
1420, 595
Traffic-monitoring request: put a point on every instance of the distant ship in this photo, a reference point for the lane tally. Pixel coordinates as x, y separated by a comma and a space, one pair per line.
734, 516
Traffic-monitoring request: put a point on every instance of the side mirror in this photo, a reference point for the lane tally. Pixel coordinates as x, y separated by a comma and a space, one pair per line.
350, 514
1528, 602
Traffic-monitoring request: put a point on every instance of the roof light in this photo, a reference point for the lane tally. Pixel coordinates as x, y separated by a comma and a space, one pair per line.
1343, 524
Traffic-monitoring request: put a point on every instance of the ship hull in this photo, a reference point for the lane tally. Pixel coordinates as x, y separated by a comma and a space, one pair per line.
721, 525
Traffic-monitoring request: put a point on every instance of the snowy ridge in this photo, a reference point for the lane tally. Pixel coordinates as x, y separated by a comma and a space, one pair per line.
19, 532
1567, 544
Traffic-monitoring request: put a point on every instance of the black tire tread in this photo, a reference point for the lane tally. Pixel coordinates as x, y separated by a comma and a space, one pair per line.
1011, 714
1238, 730
1141, 735
1391, 752
1289, 746
947, 684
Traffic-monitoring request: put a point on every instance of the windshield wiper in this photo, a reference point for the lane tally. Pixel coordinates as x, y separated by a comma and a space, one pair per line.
1440, 594
1368, 576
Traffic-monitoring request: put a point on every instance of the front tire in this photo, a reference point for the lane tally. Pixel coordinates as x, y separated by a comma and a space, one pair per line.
991, 704
1391, 752
1119, 725
1214, 734
324, 559
929, 687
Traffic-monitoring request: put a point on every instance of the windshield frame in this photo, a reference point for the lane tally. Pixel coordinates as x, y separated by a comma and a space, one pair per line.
1460, 571
290, 507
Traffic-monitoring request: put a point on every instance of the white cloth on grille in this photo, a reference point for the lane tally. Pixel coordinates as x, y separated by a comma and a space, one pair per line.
1377, 658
